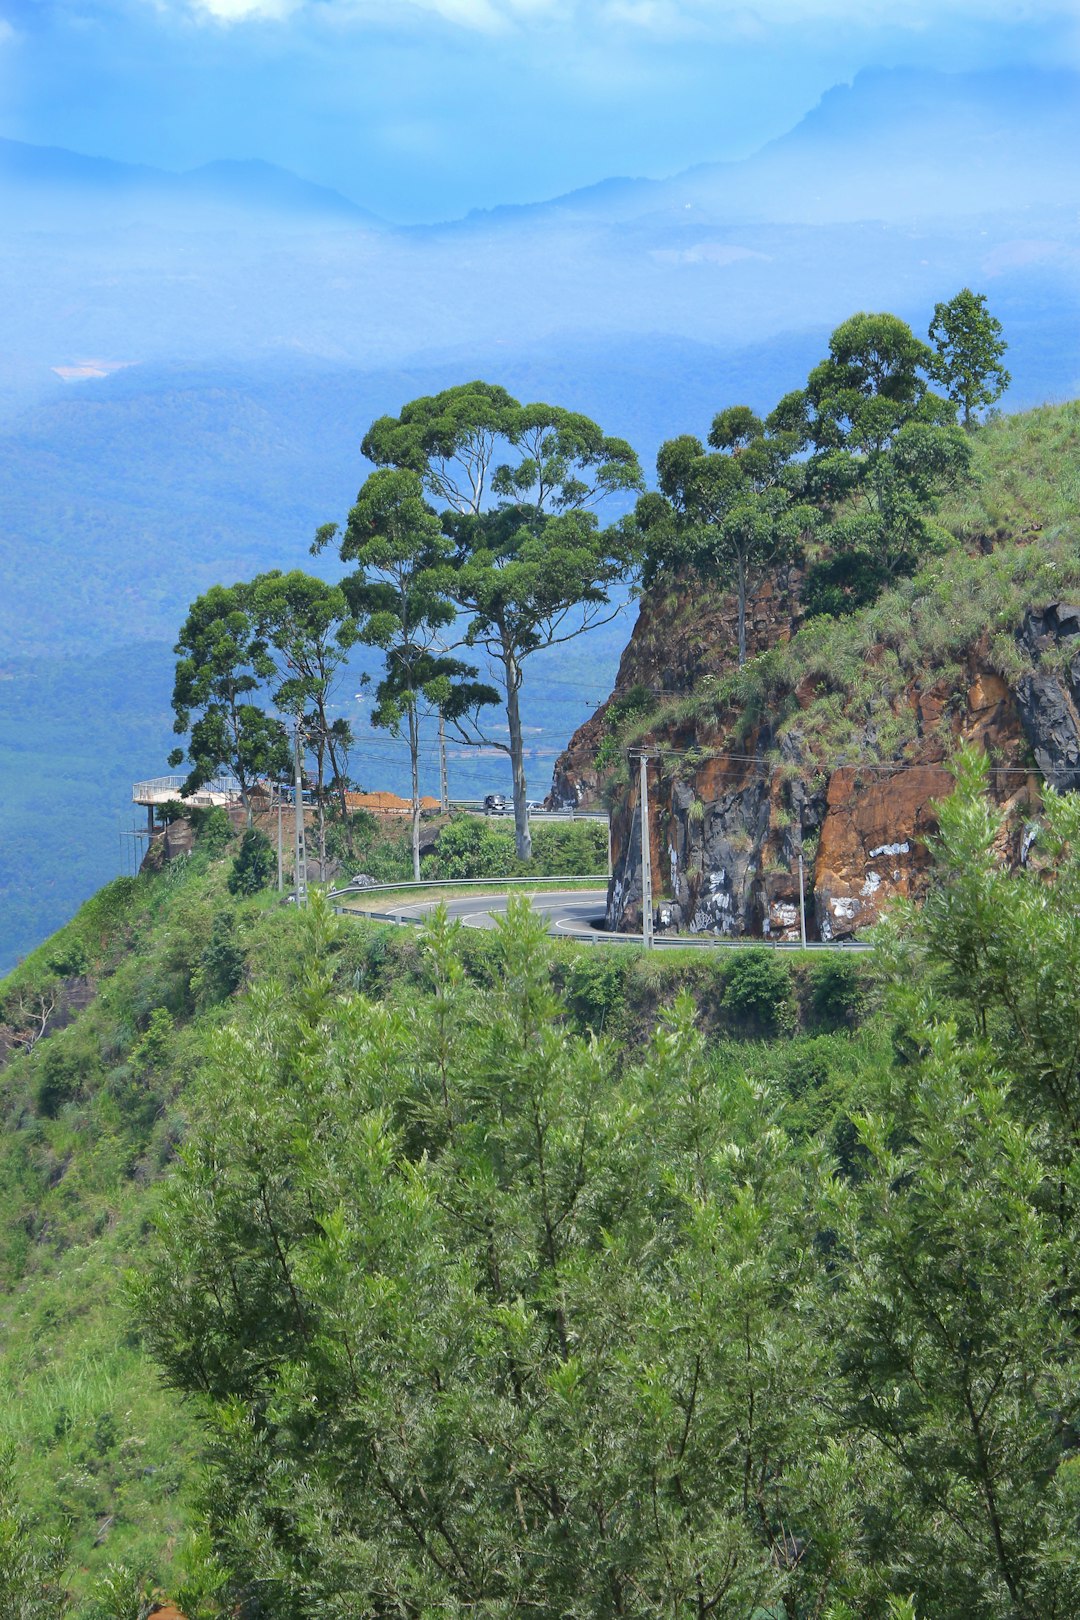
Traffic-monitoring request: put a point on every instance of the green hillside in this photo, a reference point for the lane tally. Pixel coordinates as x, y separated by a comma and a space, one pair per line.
326, 1247
93, 1117
837, 1209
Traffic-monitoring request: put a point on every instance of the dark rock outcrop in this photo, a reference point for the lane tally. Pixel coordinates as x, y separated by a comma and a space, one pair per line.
728, 822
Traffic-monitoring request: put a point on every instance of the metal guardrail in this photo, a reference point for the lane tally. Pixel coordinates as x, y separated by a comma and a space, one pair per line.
540, 814
159, 788
462, 883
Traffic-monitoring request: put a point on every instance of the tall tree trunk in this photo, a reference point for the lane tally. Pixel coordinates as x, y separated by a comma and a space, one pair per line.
245, 798
742, 613
336, 766
320, 755
522, 833
414, 753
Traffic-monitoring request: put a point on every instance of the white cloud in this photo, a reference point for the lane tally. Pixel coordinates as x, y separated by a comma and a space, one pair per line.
231, 11
7, 32
746, 21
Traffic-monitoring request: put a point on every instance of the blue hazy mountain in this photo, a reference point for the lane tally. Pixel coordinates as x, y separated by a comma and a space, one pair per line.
895, 144
51, 185
893, 192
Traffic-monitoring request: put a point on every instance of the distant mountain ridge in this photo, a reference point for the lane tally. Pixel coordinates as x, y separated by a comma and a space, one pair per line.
248, 185
893, 142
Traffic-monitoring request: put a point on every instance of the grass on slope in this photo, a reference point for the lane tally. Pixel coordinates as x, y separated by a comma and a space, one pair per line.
92, 1117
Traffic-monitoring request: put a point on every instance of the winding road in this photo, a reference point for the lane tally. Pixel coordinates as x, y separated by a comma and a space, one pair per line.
571, 913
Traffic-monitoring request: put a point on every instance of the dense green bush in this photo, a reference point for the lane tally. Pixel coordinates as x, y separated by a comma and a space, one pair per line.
71, 960
595, 987
220, 971
837, 986
60, 1076
477, 847
212, 829
758, 991
254, 865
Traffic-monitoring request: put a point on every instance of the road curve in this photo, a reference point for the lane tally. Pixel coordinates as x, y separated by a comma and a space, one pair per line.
571, 913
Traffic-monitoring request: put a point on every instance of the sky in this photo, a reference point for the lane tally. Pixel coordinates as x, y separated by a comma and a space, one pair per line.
425, 109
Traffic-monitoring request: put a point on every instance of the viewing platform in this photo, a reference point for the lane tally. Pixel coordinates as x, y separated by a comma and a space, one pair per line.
161, 790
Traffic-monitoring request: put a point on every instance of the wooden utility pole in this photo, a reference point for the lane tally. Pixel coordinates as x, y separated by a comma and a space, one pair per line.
300, 847
646, 856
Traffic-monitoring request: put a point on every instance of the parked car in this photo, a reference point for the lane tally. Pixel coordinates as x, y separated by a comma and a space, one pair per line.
495, 804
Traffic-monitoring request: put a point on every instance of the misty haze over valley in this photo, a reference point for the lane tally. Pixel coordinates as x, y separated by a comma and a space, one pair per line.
188, 363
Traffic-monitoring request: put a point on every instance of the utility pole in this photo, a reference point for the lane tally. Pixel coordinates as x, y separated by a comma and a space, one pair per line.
280, 849
646, 856
802, 891
300, 848
444, 776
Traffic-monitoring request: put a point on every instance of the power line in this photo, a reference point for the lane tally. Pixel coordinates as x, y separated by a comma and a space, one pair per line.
889, 767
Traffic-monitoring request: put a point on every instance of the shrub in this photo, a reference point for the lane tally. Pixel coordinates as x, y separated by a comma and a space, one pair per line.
837, 994
221, 965
254, 864
570, 848
59, 1079
71, 960
345, 840
594, 986
212, 829
153, 1047
471, 848
757, 991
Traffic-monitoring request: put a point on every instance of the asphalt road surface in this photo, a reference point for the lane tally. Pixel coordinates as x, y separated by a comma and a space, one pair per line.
571, 914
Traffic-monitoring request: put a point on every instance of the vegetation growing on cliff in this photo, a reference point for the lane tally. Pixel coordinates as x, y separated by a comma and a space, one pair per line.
1014, 545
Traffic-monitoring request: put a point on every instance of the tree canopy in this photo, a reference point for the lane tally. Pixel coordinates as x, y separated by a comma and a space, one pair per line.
885, 447
529, 563
969, 348
223, 660
398, 595
729, 513
475, 441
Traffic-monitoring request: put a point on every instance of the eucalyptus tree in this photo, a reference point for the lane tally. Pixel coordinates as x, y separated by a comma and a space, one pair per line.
223, 662
397, 596
531, 566
885, 447
969, 349
309, 631
731, 513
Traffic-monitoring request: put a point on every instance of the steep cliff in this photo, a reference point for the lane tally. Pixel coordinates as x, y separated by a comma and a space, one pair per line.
834, 740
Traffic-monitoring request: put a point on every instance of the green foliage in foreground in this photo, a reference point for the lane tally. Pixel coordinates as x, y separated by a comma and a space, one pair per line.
93, 1118
483, 1317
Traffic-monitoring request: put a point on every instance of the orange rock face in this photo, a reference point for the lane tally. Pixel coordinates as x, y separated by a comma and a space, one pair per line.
727, 828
